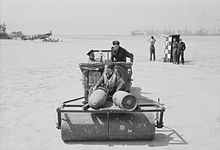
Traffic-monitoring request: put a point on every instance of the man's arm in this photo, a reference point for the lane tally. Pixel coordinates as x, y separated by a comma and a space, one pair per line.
120, 83
184, 46
130, 55
101, 80
112, 54
112, 58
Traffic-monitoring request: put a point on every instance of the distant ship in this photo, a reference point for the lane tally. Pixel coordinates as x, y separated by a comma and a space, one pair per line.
138, 32
38, 36
185, 32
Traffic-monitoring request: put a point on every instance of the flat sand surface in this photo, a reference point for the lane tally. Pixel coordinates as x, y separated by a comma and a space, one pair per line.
36, 77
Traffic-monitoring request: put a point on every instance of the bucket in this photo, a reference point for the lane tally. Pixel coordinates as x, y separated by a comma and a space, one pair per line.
125, 100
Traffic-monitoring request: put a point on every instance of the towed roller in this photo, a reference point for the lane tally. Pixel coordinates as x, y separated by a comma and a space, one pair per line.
107, 126
114, 123
113, 118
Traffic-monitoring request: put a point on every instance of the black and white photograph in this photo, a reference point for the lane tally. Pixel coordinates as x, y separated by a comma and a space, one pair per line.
109, 74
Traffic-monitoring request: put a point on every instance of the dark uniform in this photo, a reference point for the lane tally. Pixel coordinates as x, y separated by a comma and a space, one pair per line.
120, 54
174, 51
180, 52
152, 41
152, 52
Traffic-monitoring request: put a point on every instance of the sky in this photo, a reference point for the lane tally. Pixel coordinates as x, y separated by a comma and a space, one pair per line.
107, 16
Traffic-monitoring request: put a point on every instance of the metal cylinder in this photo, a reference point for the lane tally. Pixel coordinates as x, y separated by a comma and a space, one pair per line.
98, 98
84, 127
131, 126
125, 100
107, 126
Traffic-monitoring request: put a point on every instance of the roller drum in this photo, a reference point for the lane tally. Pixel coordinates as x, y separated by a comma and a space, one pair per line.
84, 127
107, 126
131, 126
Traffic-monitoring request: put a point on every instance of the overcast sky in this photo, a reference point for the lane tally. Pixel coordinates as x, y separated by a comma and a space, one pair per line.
107, 16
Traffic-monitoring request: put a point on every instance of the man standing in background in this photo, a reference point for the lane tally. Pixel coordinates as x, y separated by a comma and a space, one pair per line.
152, 41
174, 50
180, 51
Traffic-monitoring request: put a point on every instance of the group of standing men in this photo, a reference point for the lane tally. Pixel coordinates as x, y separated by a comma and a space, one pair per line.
120, 54
178, 48
178, 51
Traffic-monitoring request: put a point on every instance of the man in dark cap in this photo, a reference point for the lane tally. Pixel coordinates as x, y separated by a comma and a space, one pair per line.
92, 76
91, 56
119, 53
180, 51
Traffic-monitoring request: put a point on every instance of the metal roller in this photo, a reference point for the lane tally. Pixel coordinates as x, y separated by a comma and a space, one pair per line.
131, 126
107, 126
84, 127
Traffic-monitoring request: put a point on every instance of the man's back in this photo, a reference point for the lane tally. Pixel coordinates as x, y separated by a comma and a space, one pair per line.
120, 54
152, 42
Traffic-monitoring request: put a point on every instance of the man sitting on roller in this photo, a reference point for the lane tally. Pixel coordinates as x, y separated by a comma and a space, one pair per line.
111, 80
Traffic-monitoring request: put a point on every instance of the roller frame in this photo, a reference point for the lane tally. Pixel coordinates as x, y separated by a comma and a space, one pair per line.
156, 107
70, 106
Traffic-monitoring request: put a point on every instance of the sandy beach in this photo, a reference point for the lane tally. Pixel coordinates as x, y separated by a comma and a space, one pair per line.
36, 77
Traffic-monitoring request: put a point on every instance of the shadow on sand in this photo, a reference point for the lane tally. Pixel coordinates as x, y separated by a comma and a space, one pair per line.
186, 62
137, 92
189, 62
163, 137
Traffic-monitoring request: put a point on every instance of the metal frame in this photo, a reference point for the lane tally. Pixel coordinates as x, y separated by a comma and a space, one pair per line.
104, 50
156, 107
